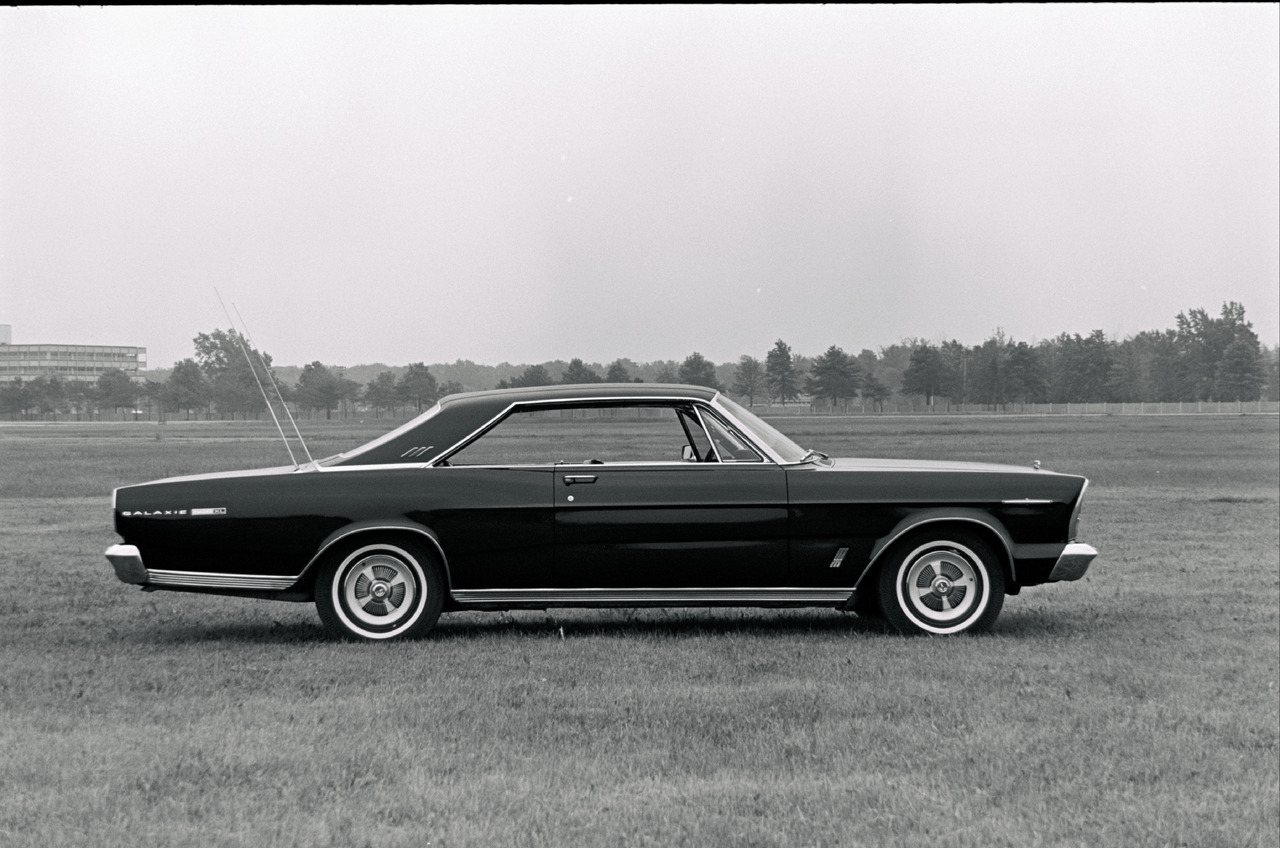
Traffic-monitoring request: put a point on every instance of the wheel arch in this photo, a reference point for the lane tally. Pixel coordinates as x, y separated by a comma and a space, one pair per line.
381, 529
983, 524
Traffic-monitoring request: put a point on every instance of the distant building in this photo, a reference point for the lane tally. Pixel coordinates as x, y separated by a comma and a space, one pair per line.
70, 363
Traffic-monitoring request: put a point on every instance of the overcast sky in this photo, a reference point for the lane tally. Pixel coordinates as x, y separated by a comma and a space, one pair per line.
522, 184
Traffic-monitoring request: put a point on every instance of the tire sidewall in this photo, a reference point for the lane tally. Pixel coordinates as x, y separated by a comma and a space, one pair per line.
908, 618
341, 566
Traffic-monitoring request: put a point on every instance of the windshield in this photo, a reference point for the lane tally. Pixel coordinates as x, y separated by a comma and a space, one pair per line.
784, 448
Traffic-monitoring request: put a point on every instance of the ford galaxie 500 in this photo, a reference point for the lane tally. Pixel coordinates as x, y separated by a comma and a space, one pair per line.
604, 495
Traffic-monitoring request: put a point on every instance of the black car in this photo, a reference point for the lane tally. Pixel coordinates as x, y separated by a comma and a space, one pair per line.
605, 495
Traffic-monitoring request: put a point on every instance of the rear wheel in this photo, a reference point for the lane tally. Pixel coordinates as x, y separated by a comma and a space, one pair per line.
380, 589
947, 583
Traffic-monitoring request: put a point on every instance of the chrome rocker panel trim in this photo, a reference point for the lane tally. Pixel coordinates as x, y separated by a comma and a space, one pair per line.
669, 597
1073, 562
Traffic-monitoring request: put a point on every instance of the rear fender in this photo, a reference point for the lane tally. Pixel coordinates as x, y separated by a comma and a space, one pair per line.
375, 527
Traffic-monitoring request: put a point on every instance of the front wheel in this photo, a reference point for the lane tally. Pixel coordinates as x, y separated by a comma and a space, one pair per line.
379, 590
950, 583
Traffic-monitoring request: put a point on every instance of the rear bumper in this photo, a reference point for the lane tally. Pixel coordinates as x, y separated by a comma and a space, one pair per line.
127, 562
1072, 563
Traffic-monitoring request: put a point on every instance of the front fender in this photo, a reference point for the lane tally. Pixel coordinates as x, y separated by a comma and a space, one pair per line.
936, 516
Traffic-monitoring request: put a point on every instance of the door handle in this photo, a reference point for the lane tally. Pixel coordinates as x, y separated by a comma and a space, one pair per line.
570, 479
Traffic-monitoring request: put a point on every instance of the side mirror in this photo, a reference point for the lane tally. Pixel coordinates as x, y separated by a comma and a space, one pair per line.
686, 453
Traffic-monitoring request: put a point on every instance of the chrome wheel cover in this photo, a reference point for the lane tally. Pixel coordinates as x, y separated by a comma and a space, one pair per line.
379, 591
942, 587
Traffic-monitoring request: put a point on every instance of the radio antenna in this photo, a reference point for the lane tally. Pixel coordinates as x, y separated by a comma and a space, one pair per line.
241, 337
272, 380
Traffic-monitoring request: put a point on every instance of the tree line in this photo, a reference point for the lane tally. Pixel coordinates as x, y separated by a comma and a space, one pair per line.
1201, 358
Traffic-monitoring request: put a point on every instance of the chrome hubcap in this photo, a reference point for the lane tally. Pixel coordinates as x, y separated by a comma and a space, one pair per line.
941, 585
379, 590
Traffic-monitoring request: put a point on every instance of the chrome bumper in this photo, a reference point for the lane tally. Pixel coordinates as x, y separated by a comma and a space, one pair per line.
1073, 562
127, 562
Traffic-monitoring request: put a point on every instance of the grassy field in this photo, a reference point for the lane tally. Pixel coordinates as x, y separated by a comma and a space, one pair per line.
1138, 706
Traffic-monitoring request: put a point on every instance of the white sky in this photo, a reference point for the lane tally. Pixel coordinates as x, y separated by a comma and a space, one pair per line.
521, 184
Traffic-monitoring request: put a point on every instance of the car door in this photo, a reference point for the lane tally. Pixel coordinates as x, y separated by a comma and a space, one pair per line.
494, 523
658, 516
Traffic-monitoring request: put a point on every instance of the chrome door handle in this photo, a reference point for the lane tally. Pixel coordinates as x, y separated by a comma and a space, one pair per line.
570, 479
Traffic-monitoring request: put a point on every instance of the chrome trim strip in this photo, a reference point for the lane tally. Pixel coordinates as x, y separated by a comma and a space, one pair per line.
737, 429
1073, 525
390, 466
1026, 502
651, 595
706, 433
209, 580
764, 450
669, 400
1073, 562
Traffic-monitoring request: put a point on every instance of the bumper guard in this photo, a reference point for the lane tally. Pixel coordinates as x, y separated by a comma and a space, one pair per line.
127, 562
1072, 563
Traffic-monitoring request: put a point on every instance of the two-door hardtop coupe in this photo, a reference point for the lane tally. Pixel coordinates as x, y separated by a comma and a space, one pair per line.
606, 495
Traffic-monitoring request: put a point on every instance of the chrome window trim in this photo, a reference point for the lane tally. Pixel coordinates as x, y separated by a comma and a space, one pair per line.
700, 409
768, 453
668, 401
671, 401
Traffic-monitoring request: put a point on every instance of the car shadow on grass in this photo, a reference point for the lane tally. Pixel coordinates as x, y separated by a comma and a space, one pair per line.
554, 624
653, 623
612, 624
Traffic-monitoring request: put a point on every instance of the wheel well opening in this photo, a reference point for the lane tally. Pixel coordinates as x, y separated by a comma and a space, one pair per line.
409, 538
937, 529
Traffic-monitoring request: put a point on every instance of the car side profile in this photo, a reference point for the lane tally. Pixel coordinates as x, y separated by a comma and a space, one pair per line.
604, 495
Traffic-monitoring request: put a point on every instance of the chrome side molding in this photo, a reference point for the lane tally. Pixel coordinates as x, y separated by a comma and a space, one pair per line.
673, 597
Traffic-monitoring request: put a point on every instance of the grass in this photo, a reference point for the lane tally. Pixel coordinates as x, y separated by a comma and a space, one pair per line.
1138, 706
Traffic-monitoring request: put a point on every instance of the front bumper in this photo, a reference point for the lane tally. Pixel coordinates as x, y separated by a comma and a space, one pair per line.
1072, 563
127, 562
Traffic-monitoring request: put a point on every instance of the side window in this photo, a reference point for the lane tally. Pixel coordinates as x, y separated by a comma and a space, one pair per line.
577, 434
522, 438
729, 445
